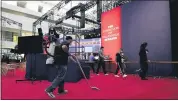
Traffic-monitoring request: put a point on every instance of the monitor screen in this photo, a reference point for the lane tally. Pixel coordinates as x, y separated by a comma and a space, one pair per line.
30, 44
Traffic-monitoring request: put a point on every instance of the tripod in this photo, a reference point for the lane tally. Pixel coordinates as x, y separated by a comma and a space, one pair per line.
30, 45
32, 70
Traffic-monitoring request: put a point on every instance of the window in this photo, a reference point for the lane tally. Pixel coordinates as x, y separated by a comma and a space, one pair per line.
7, 36
40, 9
21, 4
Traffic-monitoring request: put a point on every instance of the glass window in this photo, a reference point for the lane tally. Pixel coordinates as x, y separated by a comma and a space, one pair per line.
40, 9
21, 4
7, 36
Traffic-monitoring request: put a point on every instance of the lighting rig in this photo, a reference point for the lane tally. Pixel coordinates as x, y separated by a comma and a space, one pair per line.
76, 31
10, 21
86, 19
49, 13
88, 5
72, 13
103, 6
114, 3
76, 10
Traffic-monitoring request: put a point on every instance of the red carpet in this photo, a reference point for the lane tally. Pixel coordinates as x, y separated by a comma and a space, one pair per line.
111, 88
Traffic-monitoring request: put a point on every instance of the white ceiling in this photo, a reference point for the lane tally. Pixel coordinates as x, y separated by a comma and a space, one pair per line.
33, 5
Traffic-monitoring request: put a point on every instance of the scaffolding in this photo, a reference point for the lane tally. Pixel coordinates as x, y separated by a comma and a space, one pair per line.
76, 10
10, 21
108, 5
49, 15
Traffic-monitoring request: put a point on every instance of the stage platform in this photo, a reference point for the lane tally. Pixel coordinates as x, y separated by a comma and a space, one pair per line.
111, 88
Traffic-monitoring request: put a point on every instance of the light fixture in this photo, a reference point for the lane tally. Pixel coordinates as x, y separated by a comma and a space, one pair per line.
8, 22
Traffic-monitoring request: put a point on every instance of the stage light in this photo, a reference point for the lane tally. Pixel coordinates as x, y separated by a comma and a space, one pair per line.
20, 25
45, 18
8, 22
14, 23
73, 18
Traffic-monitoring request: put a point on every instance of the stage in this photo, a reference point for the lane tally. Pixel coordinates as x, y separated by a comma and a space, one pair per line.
111, 88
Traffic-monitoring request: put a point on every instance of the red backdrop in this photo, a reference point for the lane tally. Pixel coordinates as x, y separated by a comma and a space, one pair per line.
111, 32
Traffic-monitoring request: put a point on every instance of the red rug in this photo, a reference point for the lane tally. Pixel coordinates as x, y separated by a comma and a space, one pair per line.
110, 88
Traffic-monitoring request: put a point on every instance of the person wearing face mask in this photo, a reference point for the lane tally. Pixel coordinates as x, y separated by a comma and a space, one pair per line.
120, 63
143, 61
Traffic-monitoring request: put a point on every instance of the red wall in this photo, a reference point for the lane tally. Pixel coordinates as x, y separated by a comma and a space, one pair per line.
111, 32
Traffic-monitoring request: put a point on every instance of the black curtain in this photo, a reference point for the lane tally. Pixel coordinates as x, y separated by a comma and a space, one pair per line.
174, 33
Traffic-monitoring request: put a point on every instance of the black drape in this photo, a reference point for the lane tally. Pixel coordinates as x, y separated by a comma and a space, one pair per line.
174, 33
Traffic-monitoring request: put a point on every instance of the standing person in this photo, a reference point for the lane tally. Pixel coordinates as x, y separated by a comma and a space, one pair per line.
7, 59
143, 61
91, 59
61, 55
120, 63
101, 61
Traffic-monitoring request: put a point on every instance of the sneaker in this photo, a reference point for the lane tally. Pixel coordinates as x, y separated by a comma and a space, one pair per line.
97, 74
116, 75
124, 76
138, 70
50, 94
64, 92
106, 74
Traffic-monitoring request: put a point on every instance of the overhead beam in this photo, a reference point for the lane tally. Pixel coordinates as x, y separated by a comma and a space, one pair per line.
77, 31
35, 17
99, 10
49, 12
89, 20
76, 10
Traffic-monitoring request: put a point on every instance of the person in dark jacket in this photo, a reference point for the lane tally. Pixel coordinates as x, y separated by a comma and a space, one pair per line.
143, 61
101, 62
61, 55
120, 63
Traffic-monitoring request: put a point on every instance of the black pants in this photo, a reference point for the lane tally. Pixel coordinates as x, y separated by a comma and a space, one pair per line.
120, 67
175, 70
101, 63
61, 87
93, 67
144, 70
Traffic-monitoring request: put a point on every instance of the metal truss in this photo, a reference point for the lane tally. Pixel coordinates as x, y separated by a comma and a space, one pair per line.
108, 5
76, 10
49, 14
86, 19
89, 16
9, 21
76, 31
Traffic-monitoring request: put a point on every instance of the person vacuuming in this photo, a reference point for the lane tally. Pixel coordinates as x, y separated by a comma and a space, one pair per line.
61, 55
